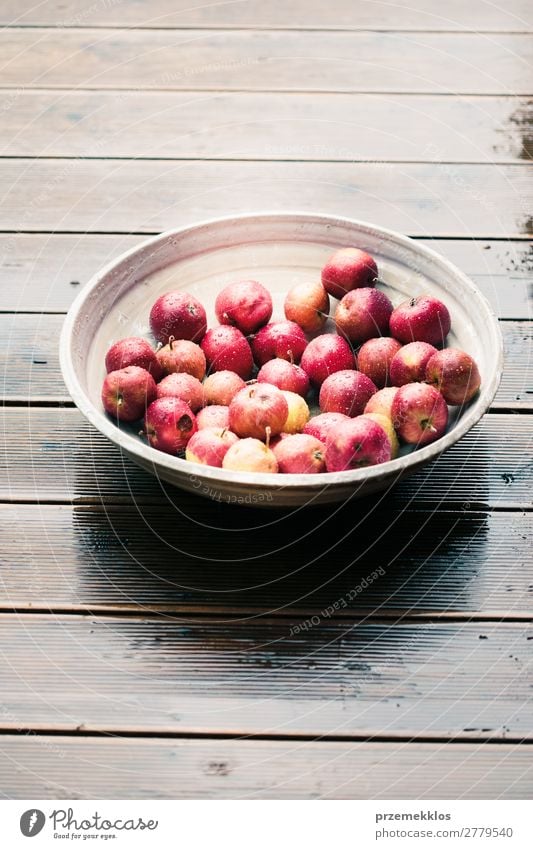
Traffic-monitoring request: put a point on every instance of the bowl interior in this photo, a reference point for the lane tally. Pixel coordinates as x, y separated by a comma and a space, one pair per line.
277, 250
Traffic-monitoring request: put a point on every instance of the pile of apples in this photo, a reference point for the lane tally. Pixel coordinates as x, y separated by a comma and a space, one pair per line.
383, 378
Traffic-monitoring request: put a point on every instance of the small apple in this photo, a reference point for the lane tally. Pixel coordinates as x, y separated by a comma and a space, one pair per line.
250, 455
298, 414
284, 375
321, 425
409, 364
346, 392
325, 355
209, 446
455, 374
419, 414
181, 355
363, 314
226, 349
180, 315
388, 427
221, 387
127, 392
374, 359
133, 351
357, 443
421, 319
214, 416
307, 304
246, 305
381, 402
300, 454
258, 410
347, 269
184, 386
169, 424
280, 339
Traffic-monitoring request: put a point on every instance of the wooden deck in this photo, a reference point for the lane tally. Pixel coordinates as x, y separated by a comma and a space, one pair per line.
158, 645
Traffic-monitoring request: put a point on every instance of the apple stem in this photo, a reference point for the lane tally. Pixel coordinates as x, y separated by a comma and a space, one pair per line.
268, 432
171, 341
251, 381
223, 432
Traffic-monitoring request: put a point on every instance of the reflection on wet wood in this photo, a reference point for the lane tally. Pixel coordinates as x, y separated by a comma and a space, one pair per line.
270, 677
154, 557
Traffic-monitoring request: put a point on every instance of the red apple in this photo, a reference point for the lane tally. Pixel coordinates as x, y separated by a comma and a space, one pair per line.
245, 304
250, 455
419, 413
363, 314
169, 424
300, 454
409, 364
127, 392
357, 443
347, 269
133, 351
258, 411
421, 319
321, 425
325, 355
209, 446
284, 375
214, 416
184, 386
226, 349
307, 304
298, 414
181, 355
388, 427
180, 315
455, 374
221, 387
346, 392
374, 359
281, 339
381, 402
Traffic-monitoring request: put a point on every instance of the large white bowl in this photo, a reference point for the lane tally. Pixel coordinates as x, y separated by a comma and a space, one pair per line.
278, 249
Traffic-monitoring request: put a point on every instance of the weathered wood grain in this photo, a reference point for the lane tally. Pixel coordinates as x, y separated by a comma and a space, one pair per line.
267, 677
145, 197
299, 127
29, 361
43, 273
51, 767
153, 558
276, 14
55, 455
467, 63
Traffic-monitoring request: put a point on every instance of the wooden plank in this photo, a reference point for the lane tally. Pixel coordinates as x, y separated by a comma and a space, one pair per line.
300, 127
276, 14
51, 767
154, 559
146, 197
44, 273
467, 63
427, 680
29, 361
55, 455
